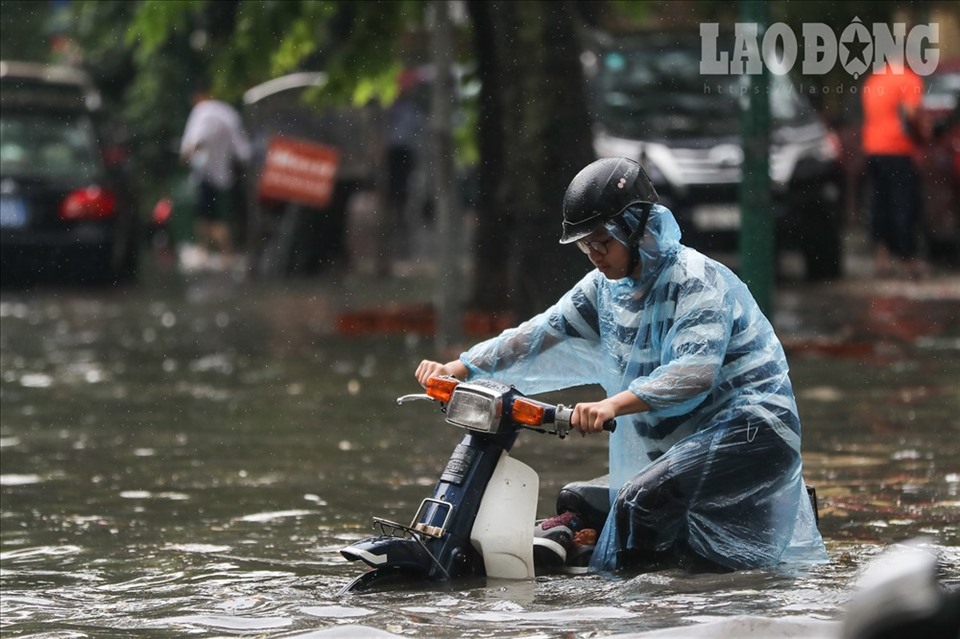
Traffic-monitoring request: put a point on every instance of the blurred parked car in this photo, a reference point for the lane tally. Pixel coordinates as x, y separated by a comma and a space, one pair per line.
67, 211
651, 103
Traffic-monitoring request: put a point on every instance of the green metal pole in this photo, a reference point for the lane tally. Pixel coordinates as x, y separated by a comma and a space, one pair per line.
757, 250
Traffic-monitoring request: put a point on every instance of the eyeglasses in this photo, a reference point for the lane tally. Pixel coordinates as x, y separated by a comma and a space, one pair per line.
597, 246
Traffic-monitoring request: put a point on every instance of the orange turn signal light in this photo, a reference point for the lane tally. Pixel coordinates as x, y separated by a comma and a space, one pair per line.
441, 388
528, 412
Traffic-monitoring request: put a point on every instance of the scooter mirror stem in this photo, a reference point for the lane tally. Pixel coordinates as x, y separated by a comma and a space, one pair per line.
413, 398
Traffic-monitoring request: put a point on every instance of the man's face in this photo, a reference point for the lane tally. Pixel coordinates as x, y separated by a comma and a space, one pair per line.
606, 253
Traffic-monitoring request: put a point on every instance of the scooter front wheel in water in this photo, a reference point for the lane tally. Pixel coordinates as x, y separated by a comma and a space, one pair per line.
389, 578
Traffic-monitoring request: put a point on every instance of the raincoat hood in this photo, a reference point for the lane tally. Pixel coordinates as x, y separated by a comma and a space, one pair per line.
660, 241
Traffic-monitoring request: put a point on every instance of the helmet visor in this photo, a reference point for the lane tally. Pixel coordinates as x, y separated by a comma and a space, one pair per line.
583, 228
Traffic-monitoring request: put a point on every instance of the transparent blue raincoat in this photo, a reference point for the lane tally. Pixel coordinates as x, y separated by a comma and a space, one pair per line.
714, 468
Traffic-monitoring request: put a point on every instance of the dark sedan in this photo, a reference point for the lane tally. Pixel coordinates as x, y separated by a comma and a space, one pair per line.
66, 210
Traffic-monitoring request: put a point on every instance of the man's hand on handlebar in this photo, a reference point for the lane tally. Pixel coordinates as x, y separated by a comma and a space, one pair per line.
589, 417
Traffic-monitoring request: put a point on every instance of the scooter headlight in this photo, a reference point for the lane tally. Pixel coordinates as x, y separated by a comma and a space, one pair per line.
475, 408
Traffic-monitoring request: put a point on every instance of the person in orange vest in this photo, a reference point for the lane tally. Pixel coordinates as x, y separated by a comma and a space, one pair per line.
893, 132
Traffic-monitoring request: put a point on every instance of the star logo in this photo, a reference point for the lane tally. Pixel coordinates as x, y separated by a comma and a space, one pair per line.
856, 48
858, 44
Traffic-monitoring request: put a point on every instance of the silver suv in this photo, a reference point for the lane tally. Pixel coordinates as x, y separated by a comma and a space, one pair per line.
651, 103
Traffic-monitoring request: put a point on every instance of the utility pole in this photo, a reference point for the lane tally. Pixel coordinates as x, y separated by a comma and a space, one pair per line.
447, 294
757, 227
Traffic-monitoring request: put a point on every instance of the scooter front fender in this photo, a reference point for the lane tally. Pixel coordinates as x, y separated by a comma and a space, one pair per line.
386, 551
503, 530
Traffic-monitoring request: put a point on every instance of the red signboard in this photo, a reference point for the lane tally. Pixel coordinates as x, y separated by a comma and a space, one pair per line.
299, 171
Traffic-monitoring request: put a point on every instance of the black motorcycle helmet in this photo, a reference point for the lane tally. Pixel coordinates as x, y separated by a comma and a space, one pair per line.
601, 191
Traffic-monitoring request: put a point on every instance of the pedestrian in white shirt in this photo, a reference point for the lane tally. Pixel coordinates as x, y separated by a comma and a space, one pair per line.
213, 142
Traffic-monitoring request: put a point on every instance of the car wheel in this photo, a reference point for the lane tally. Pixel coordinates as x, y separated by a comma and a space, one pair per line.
130, 263
97, 268
109, 265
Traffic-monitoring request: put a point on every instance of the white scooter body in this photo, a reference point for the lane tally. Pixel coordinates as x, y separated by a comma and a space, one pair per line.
480, 517
503, 530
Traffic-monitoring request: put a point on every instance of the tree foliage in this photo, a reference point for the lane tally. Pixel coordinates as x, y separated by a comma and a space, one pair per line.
243, 43
24, 30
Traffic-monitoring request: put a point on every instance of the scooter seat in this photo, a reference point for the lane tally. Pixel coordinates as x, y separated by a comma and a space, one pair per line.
589, 499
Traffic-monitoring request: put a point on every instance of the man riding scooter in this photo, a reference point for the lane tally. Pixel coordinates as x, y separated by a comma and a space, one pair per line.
705, 468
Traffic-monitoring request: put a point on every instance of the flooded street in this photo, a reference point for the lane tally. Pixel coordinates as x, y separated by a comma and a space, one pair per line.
185, 458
